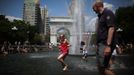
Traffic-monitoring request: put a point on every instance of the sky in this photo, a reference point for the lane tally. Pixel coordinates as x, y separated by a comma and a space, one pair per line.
14, 8
55, 7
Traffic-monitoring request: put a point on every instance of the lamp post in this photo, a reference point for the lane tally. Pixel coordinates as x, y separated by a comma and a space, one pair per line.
119, 36
119, 30
14, 29
28, 36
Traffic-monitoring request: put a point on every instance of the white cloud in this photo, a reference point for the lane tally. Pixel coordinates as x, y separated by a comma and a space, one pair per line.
90, 23
109, 6
11, 18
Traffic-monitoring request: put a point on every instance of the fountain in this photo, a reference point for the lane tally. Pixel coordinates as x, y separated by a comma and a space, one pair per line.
78, 25
78, 35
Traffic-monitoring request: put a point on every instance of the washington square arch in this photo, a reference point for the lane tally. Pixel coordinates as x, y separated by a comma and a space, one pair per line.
73, 26
61, 25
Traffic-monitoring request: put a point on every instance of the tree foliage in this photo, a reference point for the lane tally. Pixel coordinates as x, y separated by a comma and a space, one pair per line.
23, 32
125, 21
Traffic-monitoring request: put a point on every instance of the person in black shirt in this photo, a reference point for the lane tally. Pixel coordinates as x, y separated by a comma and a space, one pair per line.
105, 36
83, 50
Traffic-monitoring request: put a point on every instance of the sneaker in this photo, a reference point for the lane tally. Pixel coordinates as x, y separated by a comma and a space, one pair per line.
65, 68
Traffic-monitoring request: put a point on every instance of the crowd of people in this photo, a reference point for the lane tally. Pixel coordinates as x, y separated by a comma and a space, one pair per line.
17, 47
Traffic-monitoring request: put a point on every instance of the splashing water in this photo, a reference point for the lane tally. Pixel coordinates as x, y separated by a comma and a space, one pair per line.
78, 25
76, 11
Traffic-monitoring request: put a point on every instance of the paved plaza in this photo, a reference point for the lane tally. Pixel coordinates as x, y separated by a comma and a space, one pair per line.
45, 63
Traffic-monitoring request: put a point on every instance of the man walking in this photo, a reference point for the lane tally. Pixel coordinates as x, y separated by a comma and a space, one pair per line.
105, 36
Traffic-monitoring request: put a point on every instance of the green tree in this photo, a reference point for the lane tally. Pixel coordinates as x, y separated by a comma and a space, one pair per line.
24, 31
5, 25
124, 19
37, 39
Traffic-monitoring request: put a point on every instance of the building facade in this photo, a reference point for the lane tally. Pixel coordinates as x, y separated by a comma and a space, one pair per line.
32, 15
45, 21
29, 12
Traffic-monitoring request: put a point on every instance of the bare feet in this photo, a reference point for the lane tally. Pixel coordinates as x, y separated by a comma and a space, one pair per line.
109, 72
65, 68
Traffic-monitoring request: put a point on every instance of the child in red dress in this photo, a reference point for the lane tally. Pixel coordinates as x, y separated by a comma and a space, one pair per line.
64, 50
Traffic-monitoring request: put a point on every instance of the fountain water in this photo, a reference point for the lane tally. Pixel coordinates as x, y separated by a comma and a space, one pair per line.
77, 14
78, 25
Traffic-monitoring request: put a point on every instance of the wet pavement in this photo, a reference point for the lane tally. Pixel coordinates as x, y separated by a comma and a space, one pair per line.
45, 63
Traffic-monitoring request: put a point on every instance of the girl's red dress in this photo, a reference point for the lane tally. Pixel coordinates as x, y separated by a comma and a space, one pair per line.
64, 48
